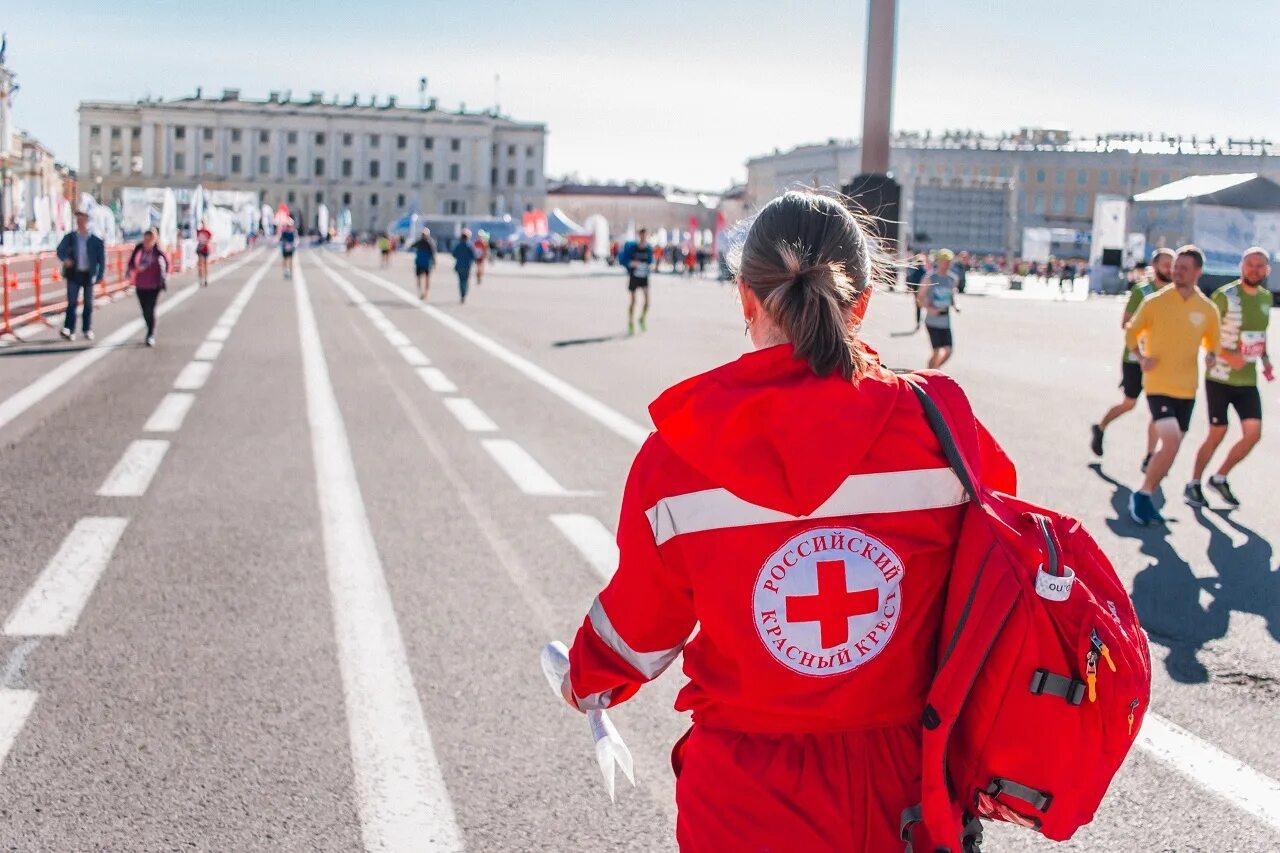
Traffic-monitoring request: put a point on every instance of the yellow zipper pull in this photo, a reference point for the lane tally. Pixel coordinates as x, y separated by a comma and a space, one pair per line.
1133, 706
1091, 674
1103, 650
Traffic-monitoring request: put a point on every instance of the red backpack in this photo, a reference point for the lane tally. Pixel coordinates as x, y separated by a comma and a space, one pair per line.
1043, 674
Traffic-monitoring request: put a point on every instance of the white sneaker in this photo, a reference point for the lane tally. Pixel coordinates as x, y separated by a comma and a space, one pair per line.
88, 336
67, 333
151, 340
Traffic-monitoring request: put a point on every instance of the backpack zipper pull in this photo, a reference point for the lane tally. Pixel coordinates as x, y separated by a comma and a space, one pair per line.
1133, 706
1102, 649
1091, 674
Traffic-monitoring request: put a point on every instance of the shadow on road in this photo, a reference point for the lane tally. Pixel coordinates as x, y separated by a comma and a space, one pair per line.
1167, 593
576, 342
1247, 582
17, 350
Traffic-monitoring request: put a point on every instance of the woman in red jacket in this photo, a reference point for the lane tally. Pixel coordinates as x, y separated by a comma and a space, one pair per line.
795, 507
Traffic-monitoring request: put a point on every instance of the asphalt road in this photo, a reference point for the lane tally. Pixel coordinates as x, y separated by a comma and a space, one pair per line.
288, 592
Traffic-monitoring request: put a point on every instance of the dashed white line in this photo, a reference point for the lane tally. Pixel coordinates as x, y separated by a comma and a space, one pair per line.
219, 332
40, 388
133, 473
15, 707
171, 412
531, 477
414, 356
469, 414
400, 791
592, 539
193, 376
53, 604
208, 351
435, 379
398, 338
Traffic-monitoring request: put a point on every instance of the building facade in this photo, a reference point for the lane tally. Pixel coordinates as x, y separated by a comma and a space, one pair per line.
1053, 177
651, 206
378, 160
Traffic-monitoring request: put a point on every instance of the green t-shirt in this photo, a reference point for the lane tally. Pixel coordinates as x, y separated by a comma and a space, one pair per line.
1137, 293
1244, 330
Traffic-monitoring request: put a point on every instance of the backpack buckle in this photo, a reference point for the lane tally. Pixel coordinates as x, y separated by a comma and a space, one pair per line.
1039, 800
1071, 690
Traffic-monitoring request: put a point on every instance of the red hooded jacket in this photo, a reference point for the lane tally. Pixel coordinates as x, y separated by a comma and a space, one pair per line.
804, 526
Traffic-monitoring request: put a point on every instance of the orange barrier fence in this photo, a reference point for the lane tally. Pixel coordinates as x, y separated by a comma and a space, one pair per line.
34, 287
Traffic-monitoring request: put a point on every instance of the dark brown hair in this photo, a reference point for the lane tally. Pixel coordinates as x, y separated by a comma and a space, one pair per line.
1192, 251
807, 259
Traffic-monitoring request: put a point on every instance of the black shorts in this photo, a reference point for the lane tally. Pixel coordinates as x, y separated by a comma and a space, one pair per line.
288, 253
1163, 407
202, 251
1131, 379
419, 269
939, 338
634, 284
1219, 397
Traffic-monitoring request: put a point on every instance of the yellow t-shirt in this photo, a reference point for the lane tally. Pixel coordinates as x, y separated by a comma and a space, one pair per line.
1171, 330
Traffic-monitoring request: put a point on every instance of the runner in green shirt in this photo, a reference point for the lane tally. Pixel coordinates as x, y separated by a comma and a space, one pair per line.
1130, 370
1232, 382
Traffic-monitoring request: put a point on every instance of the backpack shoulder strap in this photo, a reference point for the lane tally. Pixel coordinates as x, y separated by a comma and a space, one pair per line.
942, 400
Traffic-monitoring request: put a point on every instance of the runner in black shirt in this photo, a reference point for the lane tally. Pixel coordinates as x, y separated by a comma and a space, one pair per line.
637, 258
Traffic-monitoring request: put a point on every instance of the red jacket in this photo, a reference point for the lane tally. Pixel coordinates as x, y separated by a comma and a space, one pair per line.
804, 526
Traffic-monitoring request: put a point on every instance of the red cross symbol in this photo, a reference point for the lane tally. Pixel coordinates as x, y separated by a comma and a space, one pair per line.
833, 605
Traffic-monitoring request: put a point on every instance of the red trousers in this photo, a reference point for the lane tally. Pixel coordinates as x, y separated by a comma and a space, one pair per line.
757, 793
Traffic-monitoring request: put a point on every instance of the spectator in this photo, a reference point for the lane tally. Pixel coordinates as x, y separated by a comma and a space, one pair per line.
148, 268
84, 262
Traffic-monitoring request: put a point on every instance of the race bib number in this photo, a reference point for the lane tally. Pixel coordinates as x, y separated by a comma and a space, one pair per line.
641, 271
1253, 345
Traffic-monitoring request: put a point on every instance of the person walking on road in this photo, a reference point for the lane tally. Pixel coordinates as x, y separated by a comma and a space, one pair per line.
384, 250
638, 259
204, 244
424, 260
1130, 370
937, 297
288, 244
481, 245
1244, 307
84, 263
148, 269
464, 257
732, 518
1166, 335
915, 278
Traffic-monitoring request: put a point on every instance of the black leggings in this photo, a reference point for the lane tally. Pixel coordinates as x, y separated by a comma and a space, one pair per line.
147, 299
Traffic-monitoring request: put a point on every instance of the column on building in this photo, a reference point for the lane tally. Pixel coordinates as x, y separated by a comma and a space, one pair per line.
148, 143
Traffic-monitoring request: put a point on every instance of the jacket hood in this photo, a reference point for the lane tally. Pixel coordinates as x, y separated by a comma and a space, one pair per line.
771, 432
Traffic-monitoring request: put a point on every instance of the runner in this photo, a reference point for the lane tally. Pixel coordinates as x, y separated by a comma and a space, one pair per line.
424, 258
288, 242
148, 267
1130, 370
384, 249
915, 277
204, 243
638, 259
481, 245
938, 297
1244, 306
464, 255
1165, 336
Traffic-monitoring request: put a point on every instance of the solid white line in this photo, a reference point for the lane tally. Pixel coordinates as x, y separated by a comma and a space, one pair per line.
591, 538
40, 388
436, 380
133, 473
169, 415
15, 707
580, 400
53, 604
193, 376
531, 477
469, 414
415, 356
400, 792
208, 351
1212, 769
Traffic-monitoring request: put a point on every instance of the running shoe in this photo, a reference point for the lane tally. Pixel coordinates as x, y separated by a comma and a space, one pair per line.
151, 340
1194, 495
1096, 444
631, 327
88, 335
67, 333
1146, 462
1220, 485
643, 327
1142, 510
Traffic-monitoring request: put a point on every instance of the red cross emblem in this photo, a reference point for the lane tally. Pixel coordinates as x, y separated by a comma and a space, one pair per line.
834, 604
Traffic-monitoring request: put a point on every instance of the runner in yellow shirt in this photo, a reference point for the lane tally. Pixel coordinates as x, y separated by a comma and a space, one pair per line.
1166, 335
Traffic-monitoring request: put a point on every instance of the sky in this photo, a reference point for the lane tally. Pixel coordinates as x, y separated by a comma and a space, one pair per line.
681, 93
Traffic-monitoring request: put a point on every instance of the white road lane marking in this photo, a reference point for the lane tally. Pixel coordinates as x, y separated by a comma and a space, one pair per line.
171, 412
208, 351
42, 387
414, 356
592, 539
398, 338
133, 473
580, 400
435, 379
1211, 768
219, 332
52, 606
193, 376
400, 792
531, 477
15, 707
471, 416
